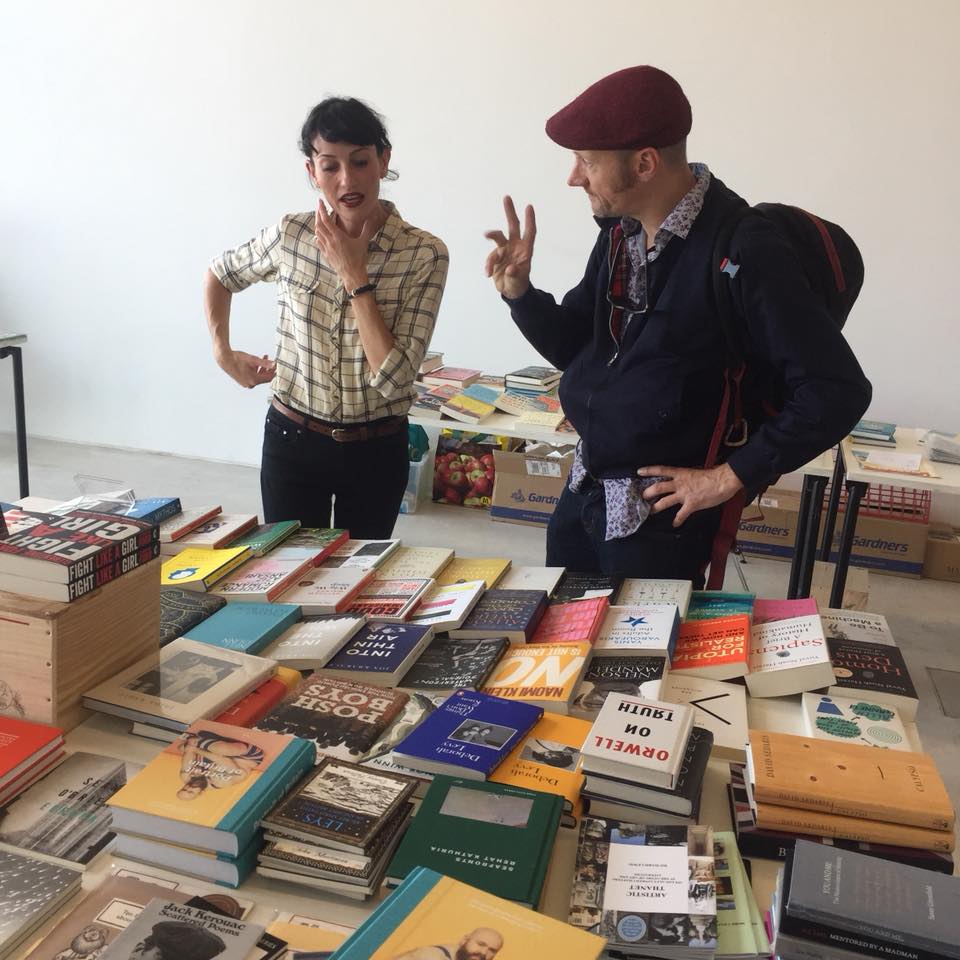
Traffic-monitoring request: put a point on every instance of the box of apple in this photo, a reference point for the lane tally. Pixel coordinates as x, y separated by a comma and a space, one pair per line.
463, 473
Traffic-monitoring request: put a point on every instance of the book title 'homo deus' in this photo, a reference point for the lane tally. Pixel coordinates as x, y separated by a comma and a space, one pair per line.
637, 730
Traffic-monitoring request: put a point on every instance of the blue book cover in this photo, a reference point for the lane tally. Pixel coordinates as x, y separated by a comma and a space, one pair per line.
380, 650
247, 627
707, 604
484, 394
469, 735
153, 510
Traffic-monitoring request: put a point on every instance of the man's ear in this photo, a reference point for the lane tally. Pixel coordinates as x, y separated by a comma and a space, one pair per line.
646, 163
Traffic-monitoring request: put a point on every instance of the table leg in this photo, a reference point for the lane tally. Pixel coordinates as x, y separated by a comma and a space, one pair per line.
830, 521
855, 492
15, 354
804, 548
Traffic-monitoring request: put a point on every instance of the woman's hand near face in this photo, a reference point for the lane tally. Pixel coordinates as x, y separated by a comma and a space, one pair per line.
346, 255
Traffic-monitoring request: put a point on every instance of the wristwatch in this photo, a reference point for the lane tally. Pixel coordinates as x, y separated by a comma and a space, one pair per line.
366, 288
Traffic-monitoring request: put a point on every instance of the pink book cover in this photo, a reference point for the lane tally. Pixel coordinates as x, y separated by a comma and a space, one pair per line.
576, 621
263, 575
764, 611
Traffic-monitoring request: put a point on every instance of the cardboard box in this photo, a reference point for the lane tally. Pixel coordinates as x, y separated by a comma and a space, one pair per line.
464, 467
528, 485
52, 653
888, 546
942, 561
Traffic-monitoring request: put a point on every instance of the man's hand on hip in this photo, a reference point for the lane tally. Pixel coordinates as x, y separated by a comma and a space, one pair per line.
692, 489
245, 368
509, 263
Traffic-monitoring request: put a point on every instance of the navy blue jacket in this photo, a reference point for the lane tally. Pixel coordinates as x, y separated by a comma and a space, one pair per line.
654, 400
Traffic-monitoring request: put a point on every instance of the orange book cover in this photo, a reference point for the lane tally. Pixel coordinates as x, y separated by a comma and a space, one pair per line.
720, 644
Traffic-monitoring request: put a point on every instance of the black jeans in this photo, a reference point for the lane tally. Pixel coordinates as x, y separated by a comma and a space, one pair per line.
575, 539
302, 472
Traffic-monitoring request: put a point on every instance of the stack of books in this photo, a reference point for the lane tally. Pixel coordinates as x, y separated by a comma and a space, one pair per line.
644, 761
196, 806
458, 377
473, 404
634, 590
28, 751
575, 621
432, 360
532, 379
788, 656
875, 433
716, 648
741, 933
337, 828
178, 526
838, 905
848, 791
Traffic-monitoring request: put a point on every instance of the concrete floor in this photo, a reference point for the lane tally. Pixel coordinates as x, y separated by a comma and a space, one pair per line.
924, 615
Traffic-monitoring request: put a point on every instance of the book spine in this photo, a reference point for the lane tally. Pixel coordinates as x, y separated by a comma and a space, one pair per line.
107, 574
856, 942
773, 817
165, 512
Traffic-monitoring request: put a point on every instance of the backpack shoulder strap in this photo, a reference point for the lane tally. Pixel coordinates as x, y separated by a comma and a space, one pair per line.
722, 271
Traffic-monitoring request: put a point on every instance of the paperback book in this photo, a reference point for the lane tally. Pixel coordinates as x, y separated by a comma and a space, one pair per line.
532, 578
715, 649
247, 627
182, 523
452, 376
472, 404
249, 710
488, 569
545, 675
323, 591
446, 607
379, 653
313, 543
448, 664
366, 554
261, 580
655, 591
711, 604
854, 721
182, 610
199, 568
389, 600
766, 610
578, 586
25, 748
872, 670
216, 533
606, 675
416, 563
152, 510
574, 621
263, 538
514, 614
641, 629
309, 644
856, 625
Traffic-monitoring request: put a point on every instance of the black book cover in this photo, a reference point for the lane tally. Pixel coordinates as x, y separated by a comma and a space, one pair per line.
606, 675
861, 667
182, 610
502, 612
449, 664
575, 586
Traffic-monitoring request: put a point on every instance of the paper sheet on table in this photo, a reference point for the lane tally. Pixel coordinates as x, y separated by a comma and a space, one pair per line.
890, 461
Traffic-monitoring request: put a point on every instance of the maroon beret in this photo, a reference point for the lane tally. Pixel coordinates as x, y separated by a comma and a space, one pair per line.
628, 110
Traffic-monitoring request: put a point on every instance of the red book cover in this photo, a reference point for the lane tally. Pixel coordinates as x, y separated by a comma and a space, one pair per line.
717, 647
37, 770
22, 743
576, 621
255, 705
765, 611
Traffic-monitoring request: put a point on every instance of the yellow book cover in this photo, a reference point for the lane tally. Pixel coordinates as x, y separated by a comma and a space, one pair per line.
202, 777
197, 568
411, 563
301, 938
548, 759
289, 677
546, 674
460, 921
488, 569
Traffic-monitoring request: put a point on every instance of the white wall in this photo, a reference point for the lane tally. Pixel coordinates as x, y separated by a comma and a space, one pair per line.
140, 140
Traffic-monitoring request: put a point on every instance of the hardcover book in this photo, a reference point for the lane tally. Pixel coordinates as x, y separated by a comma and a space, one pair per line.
514, 614
445, 608
788, 656
856, 625
532, 578
199, 568
216, 533
448, 664
22, 744
766, 610
416, 563
31, 890
175, 929
489, 569
740, 931
379, 653
313, 543
247, 627
209, 787
535, 375
872, 670
575, 621
649, 890
606, 675
715, 649
341, 806
343, 718
389, 600
323, 591
184, 522
181, 611
469, 735
648, 629
642, 739
711, 604
64, 817
854, 721
264, 537
469, 831
248, 710
366, 554
717, 706
381, 756
849, 780
428, 909
655, 591
262, 579
309, 644
186, 681
546, 675
579, 586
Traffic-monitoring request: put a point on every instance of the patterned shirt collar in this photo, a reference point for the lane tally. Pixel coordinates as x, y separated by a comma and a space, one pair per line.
385, 237
681, 217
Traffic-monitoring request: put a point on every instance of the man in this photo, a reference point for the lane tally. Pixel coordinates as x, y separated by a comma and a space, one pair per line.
641, 346
480, 944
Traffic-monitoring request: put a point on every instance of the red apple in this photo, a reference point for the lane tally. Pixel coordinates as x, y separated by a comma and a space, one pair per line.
451, 495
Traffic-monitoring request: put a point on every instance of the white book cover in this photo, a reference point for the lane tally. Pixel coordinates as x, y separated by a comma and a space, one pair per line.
649, 629
219, 531
320, 591
185, 681
362, 553
308, 645
531, 578
185, 521
413, 562
390, 600
446, 607
718, 706
635, 737
788, 656
634, 590
854, 720
261, 579
856, 625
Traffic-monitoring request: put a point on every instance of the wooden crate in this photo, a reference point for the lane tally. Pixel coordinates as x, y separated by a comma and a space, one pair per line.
52, 653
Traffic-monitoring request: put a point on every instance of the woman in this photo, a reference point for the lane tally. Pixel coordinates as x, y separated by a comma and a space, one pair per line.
358, 290
211, 760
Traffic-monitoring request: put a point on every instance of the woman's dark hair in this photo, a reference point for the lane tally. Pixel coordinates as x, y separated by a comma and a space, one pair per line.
343, 120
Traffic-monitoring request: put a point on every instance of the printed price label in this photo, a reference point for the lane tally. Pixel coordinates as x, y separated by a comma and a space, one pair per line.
543, 468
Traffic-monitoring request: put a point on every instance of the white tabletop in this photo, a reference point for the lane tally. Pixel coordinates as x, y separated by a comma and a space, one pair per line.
501, 424
12, 339
948, 474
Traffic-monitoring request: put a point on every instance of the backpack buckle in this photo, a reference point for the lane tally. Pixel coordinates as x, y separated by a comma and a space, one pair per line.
737, 433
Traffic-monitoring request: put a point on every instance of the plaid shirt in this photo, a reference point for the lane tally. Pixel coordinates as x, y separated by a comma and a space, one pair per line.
321, 366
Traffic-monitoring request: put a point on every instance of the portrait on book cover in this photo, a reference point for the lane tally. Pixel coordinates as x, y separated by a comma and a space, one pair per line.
551, 753
182, 678
504, 809
483, 734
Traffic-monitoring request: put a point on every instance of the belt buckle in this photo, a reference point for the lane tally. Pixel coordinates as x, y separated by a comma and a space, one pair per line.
340, 434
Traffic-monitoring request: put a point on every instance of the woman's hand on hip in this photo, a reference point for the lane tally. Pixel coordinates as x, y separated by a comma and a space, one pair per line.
245, 368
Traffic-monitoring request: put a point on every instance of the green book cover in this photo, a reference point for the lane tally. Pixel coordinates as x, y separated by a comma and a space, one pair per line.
707, 604
492, 836
263, 538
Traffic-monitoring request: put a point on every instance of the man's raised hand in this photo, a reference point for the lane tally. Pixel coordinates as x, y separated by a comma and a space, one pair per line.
509, 262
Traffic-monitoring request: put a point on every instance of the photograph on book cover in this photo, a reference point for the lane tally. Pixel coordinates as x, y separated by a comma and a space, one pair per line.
500, 808
182, 678
492, 735
550, 753
353, 789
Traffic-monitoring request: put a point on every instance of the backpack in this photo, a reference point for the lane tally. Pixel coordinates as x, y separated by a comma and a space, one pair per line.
834, 268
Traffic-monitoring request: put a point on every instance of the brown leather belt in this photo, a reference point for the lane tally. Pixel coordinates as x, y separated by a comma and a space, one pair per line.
362, 431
